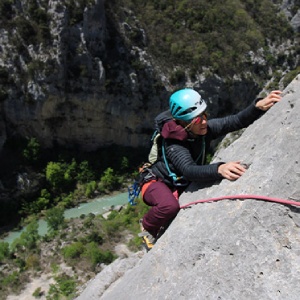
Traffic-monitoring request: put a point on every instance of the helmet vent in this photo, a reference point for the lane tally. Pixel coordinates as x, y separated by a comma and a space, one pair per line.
187, 111
176, 110
191, 109
186, 104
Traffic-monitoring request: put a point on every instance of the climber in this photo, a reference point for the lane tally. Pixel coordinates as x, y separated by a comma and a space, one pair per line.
186, 138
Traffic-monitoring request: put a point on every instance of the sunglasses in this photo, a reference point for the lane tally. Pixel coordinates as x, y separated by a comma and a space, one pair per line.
199, 119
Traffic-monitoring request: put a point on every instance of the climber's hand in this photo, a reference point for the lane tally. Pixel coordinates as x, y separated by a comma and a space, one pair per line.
231, 170
269, 101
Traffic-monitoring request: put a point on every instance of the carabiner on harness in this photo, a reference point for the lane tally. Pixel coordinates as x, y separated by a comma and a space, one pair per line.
145, 175
133, 192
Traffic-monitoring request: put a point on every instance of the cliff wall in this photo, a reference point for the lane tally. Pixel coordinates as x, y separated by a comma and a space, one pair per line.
228, 249
76, 88
80, 74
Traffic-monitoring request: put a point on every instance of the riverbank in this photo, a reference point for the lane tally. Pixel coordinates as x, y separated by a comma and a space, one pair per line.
84, 244
98, 205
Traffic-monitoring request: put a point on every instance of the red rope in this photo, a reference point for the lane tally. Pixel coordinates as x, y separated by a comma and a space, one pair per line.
234, 197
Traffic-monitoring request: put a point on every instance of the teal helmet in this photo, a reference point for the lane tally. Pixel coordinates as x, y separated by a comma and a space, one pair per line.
186, 104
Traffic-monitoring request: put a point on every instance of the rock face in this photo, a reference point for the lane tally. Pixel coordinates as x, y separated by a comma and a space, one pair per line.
231, 249
291, 11
80, 89
75, 78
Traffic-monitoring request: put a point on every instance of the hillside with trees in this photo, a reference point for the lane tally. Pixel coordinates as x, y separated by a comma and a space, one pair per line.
81, 82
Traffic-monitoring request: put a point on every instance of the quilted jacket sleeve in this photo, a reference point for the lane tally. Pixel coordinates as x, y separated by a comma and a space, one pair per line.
182, 161
221, 126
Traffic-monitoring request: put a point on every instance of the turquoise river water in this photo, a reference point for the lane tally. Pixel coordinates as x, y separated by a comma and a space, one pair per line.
97, 206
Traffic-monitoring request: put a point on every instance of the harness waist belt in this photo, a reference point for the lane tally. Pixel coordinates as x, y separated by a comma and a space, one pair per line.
145, 186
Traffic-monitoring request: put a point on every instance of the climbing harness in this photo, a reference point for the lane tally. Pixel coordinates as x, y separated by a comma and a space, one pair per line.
133, 193
145, 176
239, 197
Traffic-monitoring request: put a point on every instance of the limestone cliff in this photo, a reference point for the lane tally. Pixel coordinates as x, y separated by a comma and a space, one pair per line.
76, 86
79, 74
228, 249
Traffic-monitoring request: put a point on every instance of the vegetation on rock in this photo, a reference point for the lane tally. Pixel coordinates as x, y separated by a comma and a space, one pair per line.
84, 244
221, 37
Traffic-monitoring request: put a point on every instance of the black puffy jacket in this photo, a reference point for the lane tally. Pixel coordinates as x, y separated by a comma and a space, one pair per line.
185, 154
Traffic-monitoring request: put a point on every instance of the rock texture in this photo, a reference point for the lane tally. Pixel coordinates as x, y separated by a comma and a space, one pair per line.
88, 83
79, 88
291, 11
230, 249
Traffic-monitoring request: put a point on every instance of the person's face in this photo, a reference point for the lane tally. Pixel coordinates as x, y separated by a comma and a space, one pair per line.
198, 125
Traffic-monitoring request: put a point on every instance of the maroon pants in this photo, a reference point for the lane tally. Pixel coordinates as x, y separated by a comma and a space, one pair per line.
164, 207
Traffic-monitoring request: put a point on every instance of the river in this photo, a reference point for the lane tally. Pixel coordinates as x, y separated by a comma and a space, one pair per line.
97, 206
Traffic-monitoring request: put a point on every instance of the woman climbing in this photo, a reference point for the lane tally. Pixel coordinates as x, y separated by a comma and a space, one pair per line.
185, 140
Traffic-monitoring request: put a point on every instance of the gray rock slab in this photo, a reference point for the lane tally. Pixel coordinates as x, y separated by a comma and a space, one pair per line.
232, 249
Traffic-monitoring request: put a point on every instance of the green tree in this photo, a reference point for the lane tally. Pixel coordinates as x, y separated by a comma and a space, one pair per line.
32, 261
67, 200
38, 293
11, 280
28, 239
55, 174
85, 174
43, 201
124, 163
73, 251
4, 251
90, 189
96, 237
64, 288
96, 255
108, 179
60, 175
67, 285
32, 150
55, 218
70, 171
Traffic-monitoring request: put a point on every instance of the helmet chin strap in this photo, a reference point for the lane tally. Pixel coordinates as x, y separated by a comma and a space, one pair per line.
192, 134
